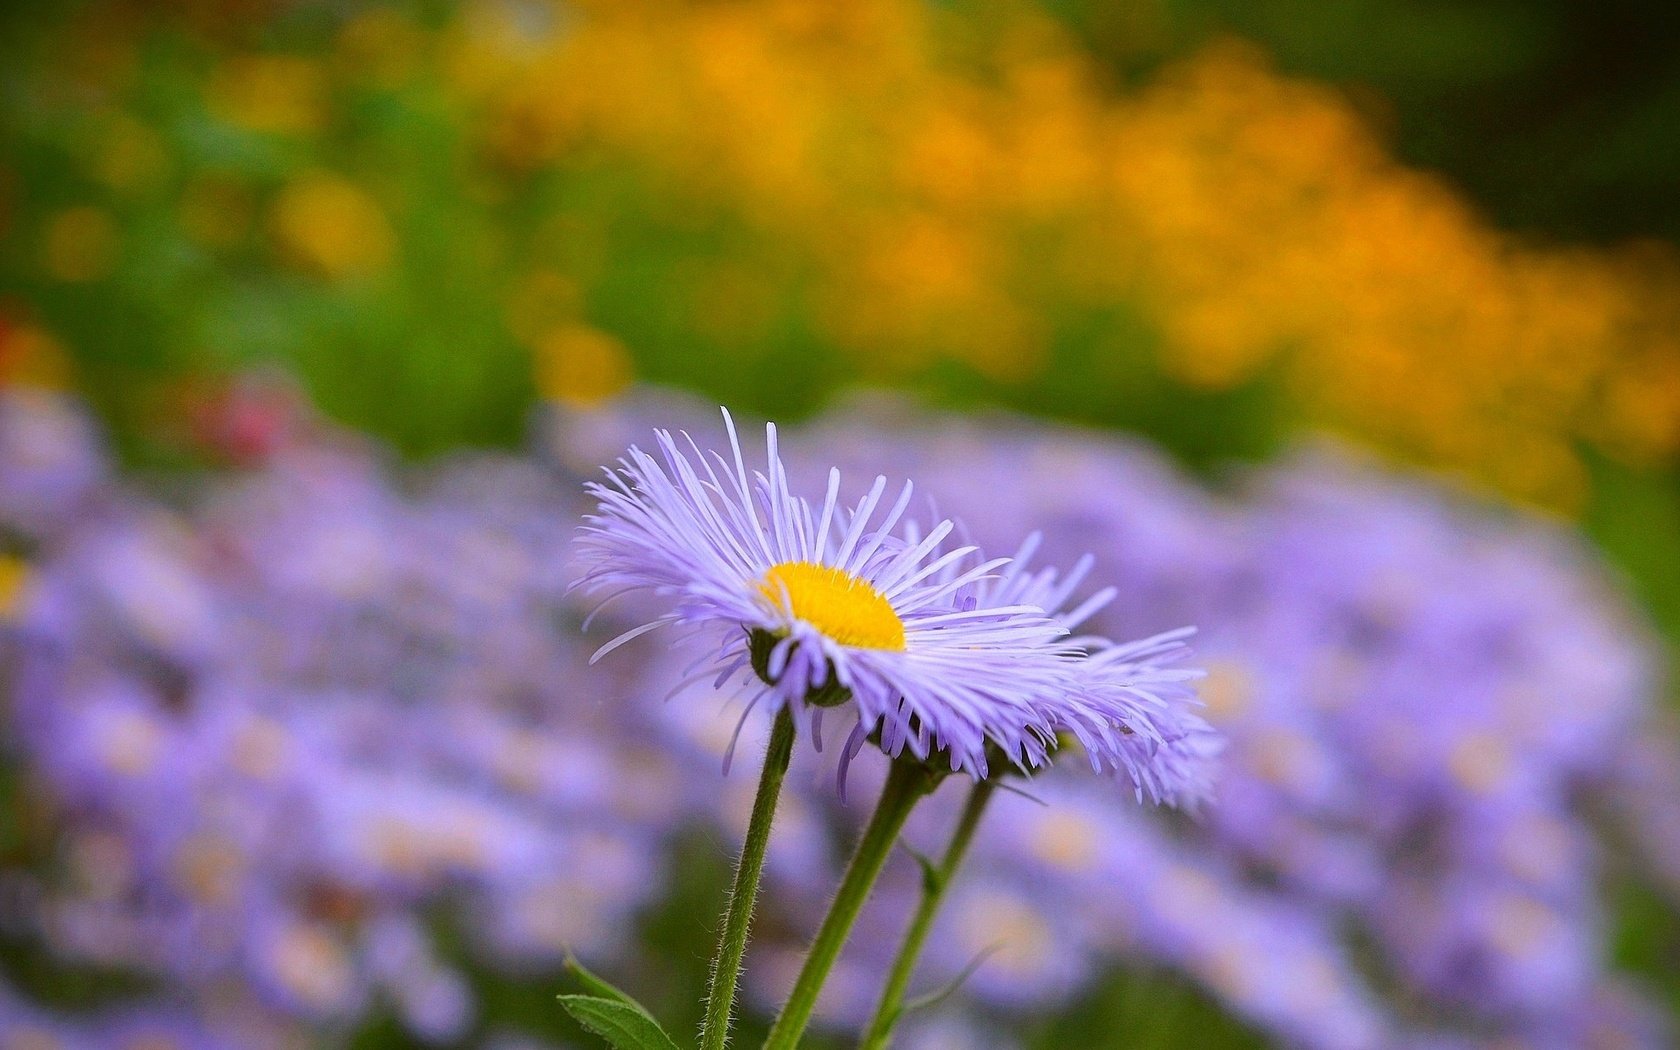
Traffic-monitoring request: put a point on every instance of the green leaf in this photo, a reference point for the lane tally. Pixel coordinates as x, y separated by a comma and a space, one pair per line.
949, 988
612, 1014
932, 881
623, 1024
599, 985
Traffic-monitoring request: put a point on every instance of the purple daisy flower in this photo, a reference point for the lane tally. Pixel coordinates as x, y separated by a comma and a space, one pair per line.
825, 604
1147, 722
1132, 711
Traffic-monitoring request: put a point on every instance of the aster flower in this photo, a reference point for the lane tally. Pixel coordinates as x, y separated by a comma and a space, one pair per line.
1127, 708
1132, 711
823, 606
826, 604
51, 462
275, 713
1147, 723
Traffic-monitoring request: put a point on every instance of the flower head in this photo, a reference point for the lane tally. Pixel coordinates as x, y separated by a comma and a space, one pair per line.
824, 604
1131, 709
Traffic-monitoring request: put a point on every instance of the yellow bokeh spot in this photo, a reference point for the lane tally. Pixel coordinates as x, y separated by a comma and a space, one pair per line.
31, 357
312, 964
581, 366
1228, 691
80, 245
14, 572
332, 226
1066, 841
207, 867
846, 609
281, 94
1523, 925
1013, 932
1480, 762
131, 156
380, 46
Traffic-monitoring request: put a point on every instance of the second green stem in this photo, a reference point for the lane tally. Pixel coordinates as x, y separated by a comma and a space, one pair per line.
935, 880
906, 783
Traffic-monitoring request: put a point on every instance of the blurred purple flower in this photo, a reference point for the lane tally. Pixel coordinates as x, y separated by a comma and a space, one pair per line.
51, 460
283, 725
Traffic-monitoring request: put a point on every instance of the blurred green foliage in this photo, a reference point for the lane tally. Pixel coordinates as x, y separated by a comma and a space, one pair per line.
433, 215
1558, 116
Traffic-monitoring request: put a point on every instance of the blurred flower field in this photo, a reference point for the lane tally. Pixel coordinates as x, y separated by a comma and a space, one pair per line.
456, 209
315, 318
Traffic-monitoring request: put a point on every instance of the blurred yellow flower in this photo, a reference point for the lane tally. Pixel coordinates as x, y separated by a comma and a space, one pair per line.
955, 202
581, 366
131, 158
14, 573
30, 356
380, 47
329, 225
281, 94
913, 187
80, 244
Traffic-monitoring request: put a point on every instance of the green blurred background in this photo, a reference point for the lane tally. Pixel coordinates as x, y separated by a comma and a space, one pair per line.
1445, 229
1442, 229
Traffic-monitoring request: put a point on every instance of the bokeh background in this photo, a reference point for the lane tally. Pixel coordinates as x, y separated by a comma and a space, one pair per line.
1348, 332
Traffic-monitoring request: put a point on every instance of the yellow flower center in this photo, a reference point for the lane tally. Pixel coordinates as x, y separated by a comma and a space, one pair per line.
835, 602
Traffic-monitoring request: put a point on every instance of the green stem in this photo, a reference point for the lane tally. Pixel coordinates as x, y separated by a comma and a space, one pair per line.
934, 883
737, 916
907, 782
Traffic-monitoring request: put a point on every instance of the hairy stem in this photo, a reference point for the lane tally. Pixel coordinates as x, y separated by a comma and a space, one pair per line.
737, 916
907, 782
935, 880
